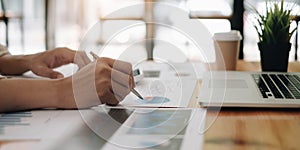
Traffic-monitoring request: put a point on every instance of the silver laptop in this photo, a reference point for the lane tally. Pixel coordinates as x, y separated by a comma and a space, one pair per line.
250, 89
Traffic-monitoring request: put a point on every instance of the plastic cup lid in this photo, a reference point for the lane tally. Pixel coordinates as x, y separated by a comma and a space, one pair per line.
233, 35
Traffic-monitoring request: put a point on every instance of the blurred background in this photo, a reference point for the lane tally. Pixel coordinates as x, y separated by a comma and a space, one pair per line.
36, 25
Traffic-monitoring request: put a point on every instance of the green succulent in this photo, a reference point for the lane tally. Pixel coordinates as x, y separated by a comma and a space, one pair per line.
274, 26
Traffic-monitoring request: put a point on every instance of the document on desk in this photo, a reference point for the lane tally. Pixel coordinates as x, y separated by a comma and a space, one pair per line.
31, 125
110, 128
161, 128
165, 85
162, 93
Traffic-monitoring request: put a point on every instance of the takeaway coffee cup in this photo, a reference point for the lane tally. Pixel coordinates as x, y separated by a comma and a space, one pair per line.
227, 45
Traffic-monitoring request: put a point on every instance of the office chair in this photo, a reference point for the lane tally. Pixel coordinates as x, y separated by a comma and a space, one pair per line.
6, 16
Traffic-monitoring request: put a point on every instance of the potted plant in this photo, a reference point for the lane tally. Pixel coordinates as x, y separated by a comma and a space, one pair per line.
274, 33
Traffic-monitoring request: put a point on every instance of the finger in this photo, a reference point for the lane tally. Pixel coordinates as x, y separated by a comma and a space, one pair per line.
109, 98
122, 78
47, 72
132, 80
81, 59
62, 56
55, 75
120, 90
68, 54
119, 98
122, 66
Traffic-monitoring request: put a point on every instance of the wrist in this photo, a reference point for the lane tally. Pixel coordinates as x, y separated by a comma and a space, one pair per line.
14, 64
27, 61
64, 93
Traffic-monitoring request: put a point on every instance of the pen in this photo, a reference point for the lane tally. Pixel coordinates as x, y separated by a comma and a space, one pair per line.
132, 90
94, 55
137, 93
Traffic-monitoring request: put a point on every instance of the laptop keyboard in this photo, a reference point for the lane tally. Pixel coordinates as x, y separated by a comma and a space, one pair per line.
279, 86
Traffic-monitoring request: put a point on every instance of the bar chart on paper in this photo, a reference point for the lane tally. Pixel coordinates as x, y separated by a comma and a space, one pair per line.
13, 119
32, 125
162, 93
165, 84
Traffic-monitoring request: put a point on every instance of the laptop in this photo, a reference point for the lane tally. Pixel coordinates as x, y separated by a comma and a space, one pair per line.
250, 89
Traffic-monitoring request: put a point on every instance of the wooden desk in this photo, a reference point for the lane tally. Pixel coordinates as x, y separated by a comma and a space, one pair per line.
255, 66
236, 128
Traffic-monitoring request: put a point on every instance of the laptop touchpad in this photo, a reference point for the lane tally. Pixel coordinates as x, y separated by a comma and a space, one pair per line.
230, 83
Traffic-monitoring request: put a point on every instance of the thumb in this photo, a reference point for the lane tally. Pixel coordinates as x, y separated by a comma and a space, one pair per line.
47, 72
56, 75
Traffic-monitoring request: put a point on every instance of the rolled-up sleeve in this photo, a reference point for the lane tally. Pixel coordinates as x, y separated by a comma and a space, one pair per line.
3, 50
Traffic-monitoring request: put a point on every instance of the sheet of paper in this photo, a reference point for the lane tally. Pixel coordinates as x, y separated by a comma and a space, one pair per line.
175, 82
172, 129
113, 128
173, 70
176, 92
33, 125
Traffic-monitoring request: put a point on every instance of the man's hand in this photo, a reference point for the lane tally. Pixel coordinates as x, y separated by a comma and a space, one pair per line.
105, 81
114, 80
43, 63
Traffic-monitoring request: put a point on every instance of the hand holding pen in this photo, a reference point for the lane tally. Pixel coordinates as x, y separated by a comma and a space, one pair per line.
132, 90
